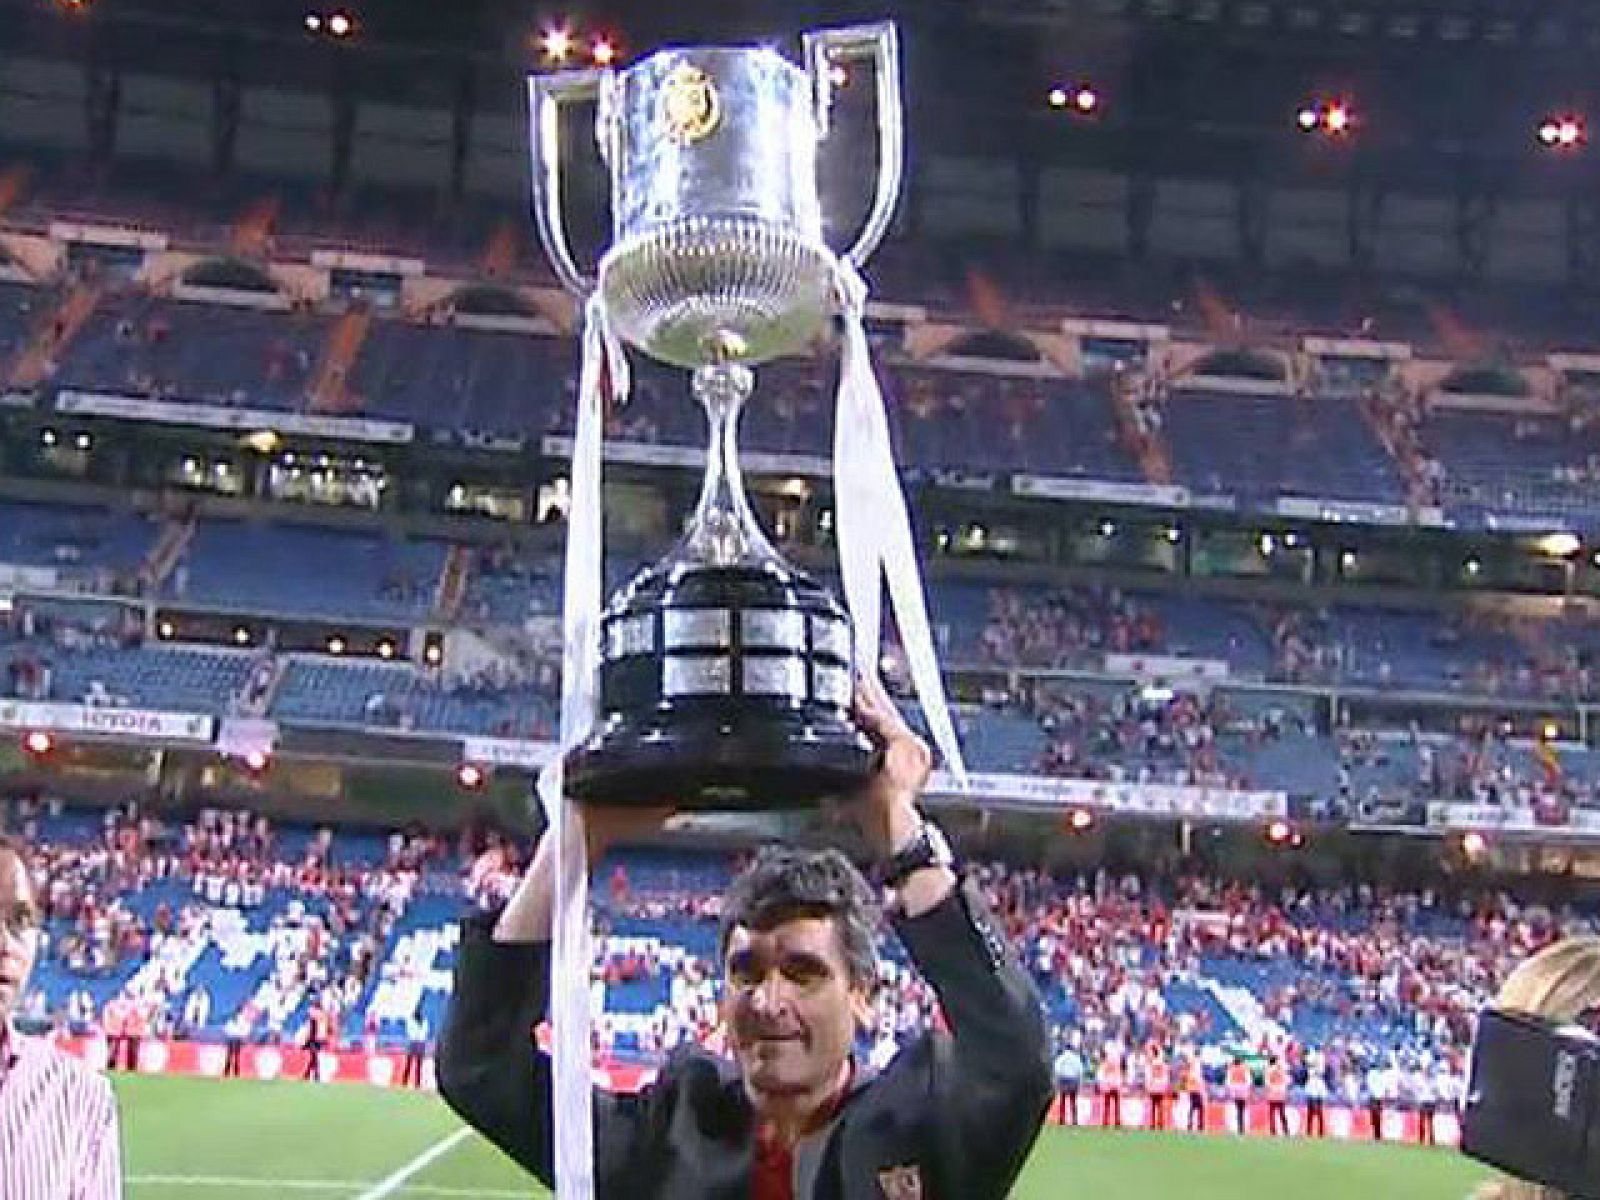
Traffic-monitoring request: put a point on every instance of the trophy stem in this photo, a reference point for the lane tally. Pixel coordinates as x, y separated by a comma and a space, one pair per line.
723, 531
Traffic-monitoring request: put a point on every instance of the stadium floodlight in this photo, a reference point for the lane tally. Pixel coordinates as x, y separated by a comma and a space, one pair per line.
1081, 820
257, 761
386, 649
1108, 528
341, 25
1474, 845
241, 636
1086, 100
165, 631
313, 22
336, 645
1057, 97
1560, 545
1279, 832
1332, 118
48, 438
471, 776
603, 51
556, 42
38, 743
83, 441
1473, 566
1174, 534
1564, 131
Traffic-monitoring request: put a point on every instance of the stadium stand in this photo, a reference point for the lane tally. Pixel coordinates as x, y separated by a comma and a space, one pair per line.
267, 922
240, 566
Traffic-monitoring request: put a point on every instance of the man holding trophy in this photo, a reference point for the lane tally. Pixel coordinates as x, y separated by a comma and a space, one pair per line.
793, 1117
724, 678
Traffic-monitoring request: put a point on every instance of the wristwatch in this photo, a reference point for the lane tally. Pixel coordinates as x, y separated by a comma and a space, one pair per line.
927, 848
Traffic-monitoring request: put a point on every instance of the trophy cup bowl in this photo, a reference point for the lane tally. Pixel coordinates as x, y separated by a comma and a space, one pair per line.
725, 673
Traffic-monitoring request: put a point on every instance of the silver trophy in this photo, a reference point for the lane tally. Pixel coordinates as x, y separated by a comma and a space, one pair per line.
725, 673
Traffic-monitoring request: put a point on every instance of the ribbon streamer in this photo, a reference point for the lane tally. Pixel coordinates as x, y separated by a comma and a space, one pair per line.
604, 371
873, 527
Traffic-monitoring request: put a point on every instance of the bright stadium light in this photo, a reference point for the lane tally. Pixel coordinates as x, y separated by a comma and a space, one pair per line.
1086, 100
1337, 119
556, 42
471, 776
340, 25
1560, 545
1081, 820
313, 22
603, 51
1057, 97
1563, 131
257, 761
1307, 119
38, 743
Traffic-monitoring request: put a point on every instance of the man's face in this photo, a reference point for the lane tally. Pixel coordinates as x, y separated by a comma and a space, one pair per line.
790, 1008
19, 930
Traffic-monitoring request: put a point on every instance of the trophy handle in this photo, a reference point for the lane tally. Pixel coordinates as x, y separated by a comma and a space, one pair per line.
879, 41
548, 95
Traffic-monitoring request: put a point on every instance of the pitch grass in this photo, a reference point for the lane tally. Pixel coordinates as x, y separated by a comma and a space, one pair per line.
188, 1139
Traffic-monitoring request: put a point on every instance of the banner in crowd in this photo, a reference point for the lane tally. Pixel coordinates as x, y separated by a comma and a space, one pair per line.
654, 454
1553, 816
1167, 667
96, 721
1148, 799
241, 420
1342, 1123
376, 1068
17, 578
1034, 791
386, 1069
507, 752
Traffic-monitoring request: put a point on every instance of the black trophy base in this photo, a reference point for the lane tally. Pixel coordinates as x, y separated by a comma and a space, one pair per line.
720, 758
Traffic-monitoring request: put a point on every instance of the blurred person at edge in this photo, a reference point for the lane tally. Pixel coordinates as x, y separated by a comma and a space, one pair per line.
59, 1135
1560, 983
793, 1115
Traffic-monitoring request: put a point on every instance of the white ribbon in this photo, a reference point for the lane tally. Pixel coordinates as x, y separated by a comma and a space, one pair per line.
570, 952
873, 527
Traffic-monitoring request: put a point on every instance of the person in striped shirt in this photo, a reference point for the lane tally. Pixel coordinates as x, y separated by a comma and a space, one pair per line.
59, 1136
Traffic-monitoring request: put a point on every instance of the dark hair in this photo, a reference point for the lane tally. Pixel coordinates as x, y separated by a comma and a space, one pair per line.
785, 884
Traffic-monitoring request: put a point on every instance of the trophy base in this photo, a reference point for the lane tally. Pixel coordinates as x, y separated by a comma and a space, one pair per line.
720, 757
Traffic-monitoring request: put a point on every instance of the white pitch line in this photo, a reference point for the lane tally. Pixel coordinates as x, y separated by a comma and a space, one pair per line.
390, 1185
315, 1185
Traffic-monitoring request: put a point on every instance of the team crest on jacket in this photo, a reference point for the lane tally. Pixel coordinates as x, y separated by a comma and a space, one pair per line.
900, 1183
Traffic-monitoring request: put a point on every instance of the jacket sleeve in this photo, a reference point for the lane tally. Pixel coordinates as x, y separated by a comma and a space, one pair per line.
497, 1081
992, 1081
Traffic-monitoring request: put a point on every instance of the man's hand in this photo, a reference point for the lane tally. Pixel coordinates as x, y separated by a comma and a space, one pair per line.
527, 917
886, 808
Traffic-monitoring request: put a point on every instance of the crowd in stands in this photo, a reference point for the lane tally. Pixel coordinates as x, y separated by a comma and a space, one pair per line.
1367, 988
